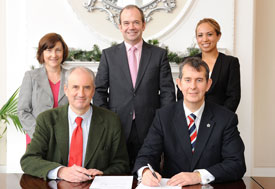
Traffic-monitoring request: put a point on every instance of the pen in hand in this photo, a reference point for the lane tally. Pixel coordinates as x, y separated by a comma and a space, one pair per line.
90, 177
152, 170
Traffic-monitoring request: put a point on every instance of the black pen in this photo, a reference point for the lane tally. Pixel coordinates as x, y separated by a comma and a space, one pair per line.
152, 170
90, 177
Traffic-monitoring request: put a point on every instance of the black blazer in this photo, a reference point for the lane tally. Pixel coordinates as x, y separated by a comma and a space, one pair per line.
219, 148
154, 86
226, 86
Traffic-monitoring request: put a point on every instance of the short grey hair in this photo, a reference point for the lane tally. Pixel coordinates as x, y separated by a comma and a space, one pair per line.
69, 72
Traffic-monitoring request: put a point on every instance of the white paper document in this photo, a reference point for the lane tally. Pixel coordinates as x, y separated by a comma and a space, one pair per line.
162, 185
112, 182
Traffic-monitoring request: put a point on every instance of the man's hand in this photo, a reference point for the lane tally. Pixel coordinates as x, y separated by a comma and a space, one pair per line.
185, 178
94, 172
148, 179
74, 174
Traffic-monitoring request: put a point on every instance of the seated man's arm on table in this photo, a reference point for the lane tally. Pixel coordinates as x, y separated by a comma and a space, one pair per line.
200, 176
73, 174
147, 178
232, 166
34, 162
38, 162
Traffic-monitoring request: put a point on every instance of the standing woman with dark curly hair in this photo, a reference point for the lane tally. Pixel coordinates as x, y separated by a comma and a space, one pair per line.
43, 88
224, 70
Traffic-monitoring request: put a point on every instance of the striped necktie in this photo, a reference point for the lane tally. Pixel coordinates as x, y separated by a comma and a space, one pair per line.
192, 130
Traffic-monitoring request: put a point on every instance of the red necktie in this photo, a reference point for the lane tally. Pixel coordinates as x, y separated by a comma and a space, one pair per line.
76, 149
192, 130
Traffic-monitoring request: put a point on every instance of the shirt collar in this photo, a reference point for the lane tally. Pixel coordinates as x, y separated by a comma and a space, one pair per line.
85, 116
197, 113
138, 45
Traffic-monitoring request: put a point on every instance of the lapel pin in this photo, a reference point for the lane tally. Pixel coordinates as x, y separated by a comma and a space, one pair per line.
208, 125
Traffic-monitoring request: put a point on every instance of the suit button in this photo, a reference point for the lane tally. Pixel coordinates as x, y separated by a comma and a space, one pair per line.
131, 113
134, 94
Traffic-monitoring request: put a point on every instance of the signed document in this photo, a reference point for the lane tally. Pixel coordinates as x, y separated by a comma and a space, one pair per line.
162, 185
112, 182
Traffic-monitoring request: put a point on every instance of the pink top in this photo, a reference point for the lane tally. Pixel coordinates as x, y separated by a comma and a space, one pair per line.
55, 91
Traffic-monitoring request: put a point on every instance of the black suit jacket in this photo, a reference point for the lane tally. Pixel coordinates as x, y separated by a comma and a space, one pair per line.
226, 87
219, 148
154, 86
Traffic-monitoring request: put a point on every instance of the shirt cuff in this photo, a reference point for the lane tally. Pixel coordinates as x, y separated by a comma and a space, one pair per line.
206, 176
140, 171
52, 184
52, 174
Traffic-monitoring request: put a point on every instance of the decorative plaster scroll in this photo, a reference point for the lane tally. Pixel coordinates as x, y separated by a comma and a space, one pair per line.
113, 10
161, 24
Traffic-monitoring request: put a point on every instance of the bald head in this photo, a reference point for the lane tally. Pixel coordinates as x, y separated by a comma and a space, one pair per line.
79, 89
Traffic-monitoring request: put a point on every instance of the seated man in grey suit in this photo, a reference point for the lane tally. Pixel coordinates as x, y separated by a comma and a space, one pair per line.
200, 140
77, 141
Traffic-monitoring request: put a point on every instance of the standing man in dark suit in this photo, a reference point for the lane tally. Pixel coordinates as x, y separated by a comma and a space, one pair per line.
77, 141
134, 79
200, 139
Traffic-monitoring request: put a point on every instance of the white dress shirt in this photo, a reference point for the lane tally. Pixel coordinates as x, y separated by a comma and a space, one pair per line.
86, 122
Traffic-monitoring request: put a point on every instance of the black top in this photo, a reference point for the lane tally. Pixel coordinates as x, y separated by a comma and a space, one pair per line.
226, 85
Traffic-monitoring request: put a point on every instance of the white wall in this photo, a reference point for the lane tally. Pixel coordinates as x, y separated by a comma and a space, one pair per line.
38, 17
243, 49
264, 91
2, 77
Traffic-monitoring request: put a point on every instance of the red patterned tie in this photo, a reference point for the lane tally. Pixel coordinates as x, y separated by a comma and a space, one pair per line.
192, 130
76, 149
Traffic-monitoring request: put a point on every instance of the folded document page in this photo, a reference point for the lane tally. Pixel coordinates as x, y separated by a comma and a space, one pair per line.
162, 185
112, 182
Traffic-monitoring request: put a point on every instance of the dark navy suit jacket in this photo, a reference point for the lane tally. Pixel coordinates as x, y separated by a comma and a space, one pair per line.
219, 148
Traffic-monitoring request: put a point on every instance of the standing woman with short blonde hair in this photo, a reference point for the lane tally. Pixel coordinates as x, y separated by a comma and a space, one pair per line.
224, 69
43, 88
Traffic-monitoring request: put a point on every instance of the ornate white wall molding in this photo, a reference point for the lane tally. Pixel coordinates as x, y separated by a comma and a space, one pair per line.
155, 11
112, 8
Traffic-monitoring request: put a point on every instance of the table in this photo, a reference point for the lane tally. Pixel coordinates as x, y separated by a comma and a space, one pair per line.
16, 180
265, 182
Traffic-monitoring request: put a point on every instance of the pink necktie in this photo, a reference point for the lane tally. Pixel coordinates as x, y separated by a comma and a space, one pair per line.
76, 149
133, 65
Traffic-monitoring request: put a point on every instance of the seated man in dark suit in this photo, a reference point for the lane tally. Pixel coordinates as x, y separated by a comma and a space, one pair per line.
200, 140
77, 141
